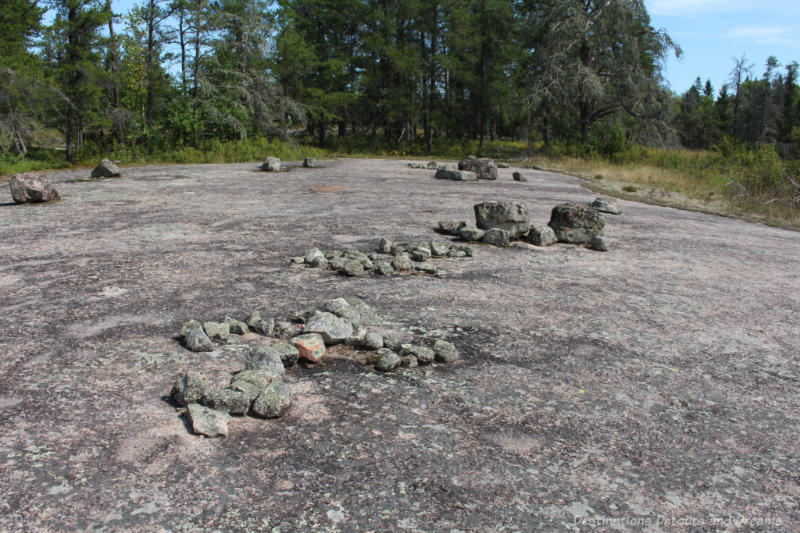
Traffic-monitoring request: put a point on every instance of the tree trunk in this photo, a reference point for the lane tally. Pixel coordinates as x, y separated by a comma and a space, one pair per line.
149, 59
112, 68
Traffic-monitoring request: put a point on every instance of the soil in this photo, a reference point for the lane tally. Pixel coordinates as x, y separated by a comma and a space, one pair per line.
653, 387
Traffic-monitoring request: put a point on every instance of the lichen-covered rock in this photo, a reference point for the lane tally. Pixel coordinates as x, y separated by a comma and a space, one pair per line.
352, 268
197, 341
496, 236
402, 263
471, 234
189, 388
518, 177
189, 325
305, 314
273, 402
311, 347
252, 319
228, 400
357, 338
264, 358
33, 188
334, 329
309, 162
392, 342
409, 361
217, 331
388, 361
576, 223
288, 353
384, 246
373, 340
605, 205
315, 258
384, 268
106, 169
451, 227
483, 168
542, 236
599, 244
420, 253
237, 327
252, 382
265, 326
426, 267
445, 173
285, 329
205, 421
423, 354
445, 352
271, 164
513, 218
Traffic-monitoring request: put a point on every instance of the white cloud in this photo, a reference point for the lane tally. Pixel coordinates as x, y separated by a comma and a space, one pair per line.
767, 35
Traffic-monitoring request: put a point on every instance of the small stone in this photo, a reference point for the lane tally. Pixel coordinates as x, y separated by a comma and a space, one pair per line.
469, 251
432, 165
542, 236
189, 325
342, 308
400, 248
456, 175
441, 274
252, 382
445, 351
334, 329
439, 249
189, 388
264, 358
230, 401
273, 402
106, 169
271, 164
599, 244
409, 361
330, 255
384, 246
265, 326
388, 361
207, 421
252, 319
420, 253
357, 338
456, 253
197, 341
217, 331
373, 340
605, 205
237, 327
496, 236
451, 227
426, 267
415, 165
311, 347
288, 353
298, 260
519, 177
384, 268
315, 257
352, 268
309, 162
471, 234
392, 342
424, 355
285, 329
402, 263
33, 188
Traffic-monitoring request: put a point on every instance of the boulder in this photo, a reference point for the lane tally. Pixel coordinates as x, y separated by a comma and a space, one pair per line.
273, 402
455, 175
513, 218
311, 347
288, 353
217, 331
420, 254
333, 329
445, 351
207, 421
309, 162
451, 227
271, 164
604, 205
373, 340
189, 388
483, 168
518, 177
355, 310
252, 319
33, 188
542, 236
197, 341
576, 223
264, 358
392, 342
471, 234
496, 236
234, 402
409, 361
252, 382
106, 169
388, 361
599, 244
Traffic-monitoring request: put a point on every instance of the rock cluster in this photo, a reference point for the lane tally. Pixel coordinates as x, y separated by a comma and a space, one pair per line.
258, 389
106, 169
430, 165
32, 188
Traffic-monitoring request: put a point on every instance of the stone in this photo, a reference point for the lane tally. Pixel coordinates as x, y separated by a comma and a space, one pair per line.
252, 319
420, 254
500, 164
273, 402
271, 164
441, 274
423, 354
305, 314
400, 248
469, 251
471, 234
432, 165
264, 358
403, 263
252, 382
409, 361
483, 168
288, 353
357, 338
599, 244
265, 326
392, 342
451, 227
333, 254
207, 421
237, 327
455, 175
342, 308
605, 205
315, 258
542, 236
576, 223
32, 188
439, 249
197, 341
496, 236
513, 218
217, 331
234, 402
352, 268
426, 267
416, 165
189, 325
456, 253
445, 352
518, 177
311, 347
298, 260
384, 268
373, 340
285, 329
384, 246
309, 162
334, 329
106, 169
189, 388
388, 361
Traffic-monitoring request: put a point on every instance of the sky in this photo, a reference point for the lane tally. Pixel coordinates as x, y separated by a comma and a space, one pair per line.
712, 33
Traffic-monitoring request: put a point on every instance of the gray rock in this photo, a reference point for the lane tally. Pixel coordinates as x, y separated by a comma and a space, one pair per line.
373, 340
513, 218
309, 162
353, 268
252, 319
388, 361
305, 314
469, 251
576, 223
542, 236
392, 342
273, 402
271, 164
106, 169
237, 327
432, 165
518, 177
189, 325
197, 341
409, 361
496, 236
483, 168
599, 244
207, 421
265, 326
384, 268
252, 382
400, 248
439, 249
285, 329
385, 246
357, 338
403, 263
298, 260
333, 329
441, 274
605, 205
454, 252
471, 234
455, 175
342, 308
229, 401
423, 354
426, 267
33, 188
420, 254
316, 258
189, 388
289, 354
264, 358
451, 227
330, 255
445, 351
416, 165
217, 331
500, 164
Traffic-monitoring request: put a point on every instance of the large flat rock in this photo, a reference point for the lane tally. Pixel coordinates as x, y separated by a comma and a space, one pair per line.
657, 381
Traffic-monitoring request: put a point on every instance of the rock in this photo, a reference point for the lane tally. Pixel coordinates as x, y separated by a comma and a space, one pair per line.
311, 347
455, 175
542, 236
265, 326
288, 353
342, 308
456, 253
316, 258
273, 402
217, 331
357, 338
197, 341
471, 234
189, 388
271, 164
352, 268
416, 165
599, 244
252, 382
189, 325
305, 314
298, 260
333, 254
420, 254
385, 246
513, 218
469, 251
207, 421
228, 400
33, 188
518, 177
309, 162
252, 319
106, 169
496, 236
402, 263
500, 164
400, 248
441, 274
373, 340
334, 329
409, 361
264, 358
385, 269
388, 361
451, 227
445, 352
426, 267
285, 329
424, 355
392, 342
576, 223
237, 327
439, 249
604, 205
484, 168
432, 165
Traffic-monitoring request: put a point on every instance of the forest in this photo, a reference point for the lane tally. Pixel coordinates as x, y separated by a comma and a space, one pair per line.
578, 78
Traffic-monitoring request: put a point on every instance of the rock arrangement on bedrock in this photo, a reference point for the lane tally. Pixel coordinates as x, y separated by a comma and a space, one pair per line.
469, 169
258, 388
388, 258
32, 188
499, 223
